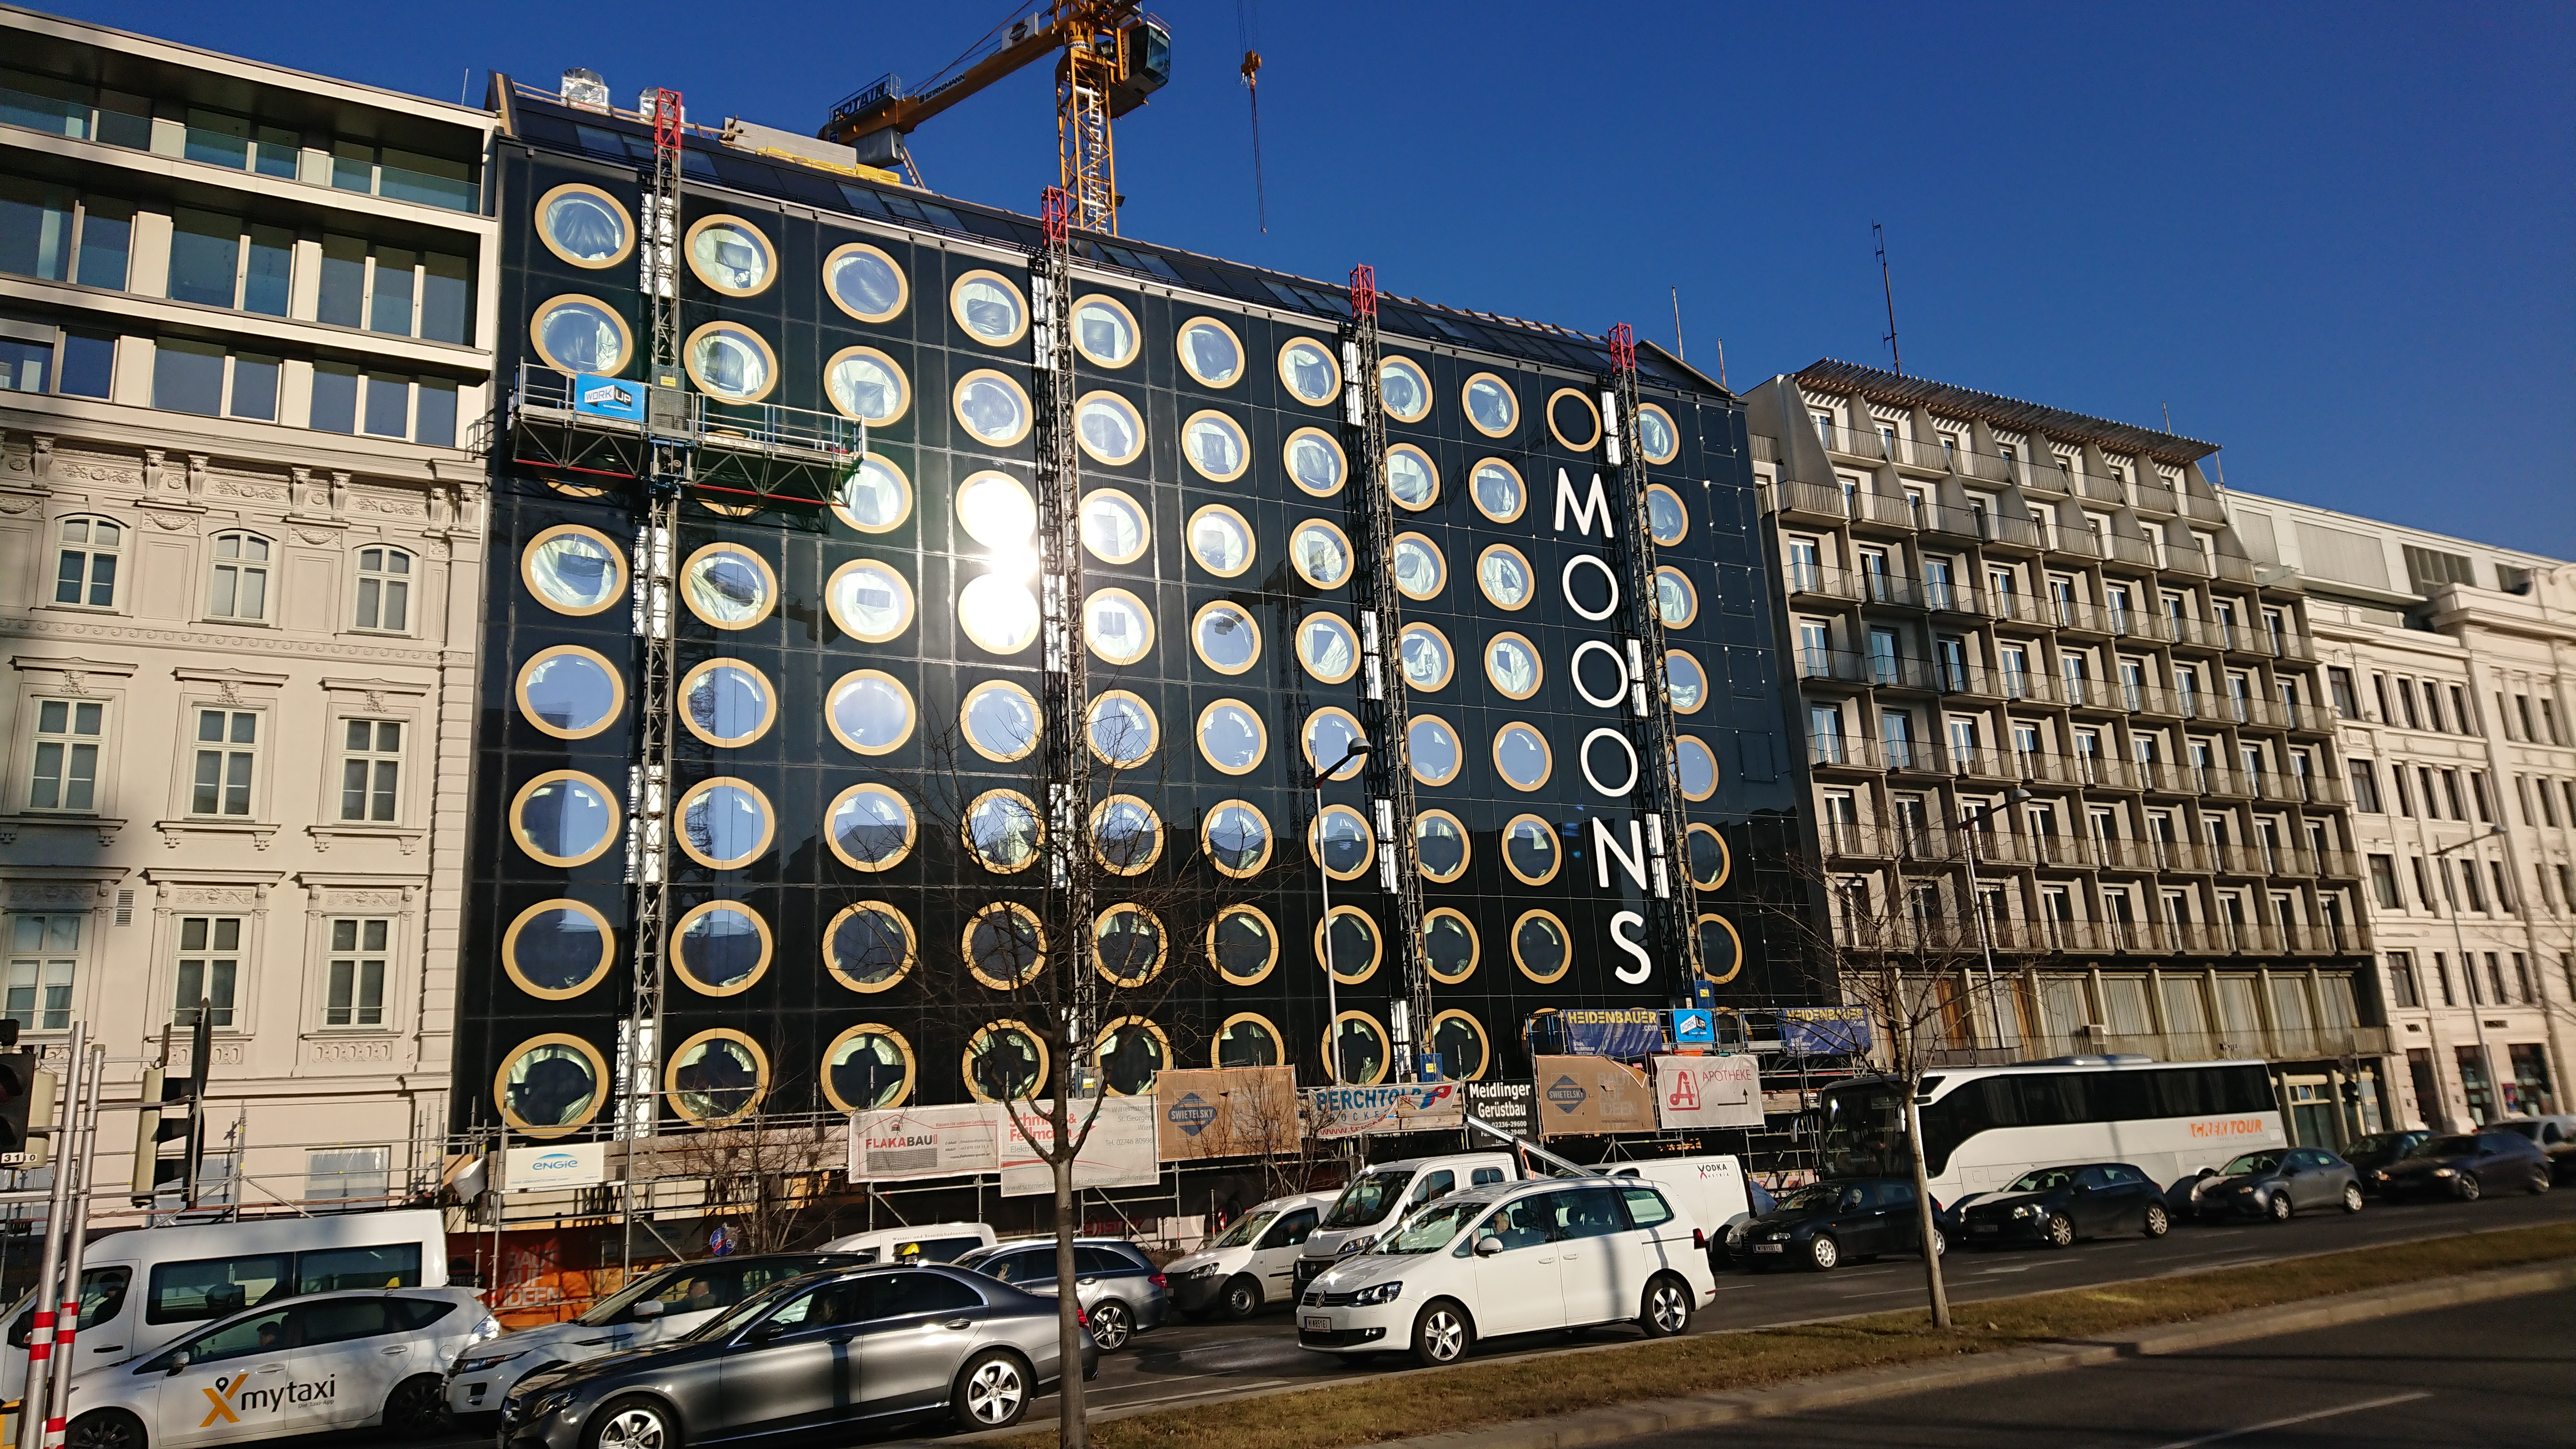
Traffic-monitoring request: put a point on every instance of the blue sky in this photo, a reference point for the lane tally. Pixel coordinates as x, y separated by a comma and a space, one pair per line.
2333, 239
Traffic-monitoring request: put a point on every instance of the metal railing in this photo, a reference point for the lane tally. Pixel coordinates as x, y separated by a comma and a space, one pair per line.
2018, 532
1813, 499
2074, 542
2153, 497
1880, 509
2129, 548
1853, 442
2045, 478
2101, 489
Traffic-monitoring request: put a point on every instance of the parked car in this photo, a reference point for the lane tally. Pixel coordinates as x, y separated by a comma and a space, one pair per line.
2556, 1136
1824, 1223
2369, 1154
1379, 1197
927, 1243
1712, 1191
1513, 1257
2054, 1206
2276, 1183
1252, 1264
847, 1349
1121, 1292
2466, 1165
656, 1308
320, 1361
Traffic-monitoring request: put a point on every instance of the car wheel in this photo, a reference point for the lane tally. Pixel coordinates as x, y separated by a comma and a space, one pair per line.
1940, 1243
992, 1391
1823, 1253
634, 1422
2352, 1197
1441, 1334
1111, 1325
417, 1406
2468, 1188
2058, 1231
105, 1429
1667, 1308
2539, 1181
2158, 1221
1241, 1298
2279, 1205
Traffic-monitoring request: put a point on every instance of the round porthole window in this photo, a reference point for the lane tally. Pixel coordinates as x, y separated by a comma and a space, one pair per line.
1114, 526
869, 947
1449, 945
1246, 1040
1698, 767
1133, 1052
1361, 1044
1126, 835
993, 409
1521, 756
1243, 945
1541, 947
1232, 737
864, 281
996, 510
868, 385
1315, 461
1685, 682
570, 692
1236, 837
727, 702
585, 226
720, 948
1309, 372
1433, 747
1511, 666
1404, 389
1666, 517
725, 823
1117, 626
1210, 352
1104, 331
1675, 599
1440, 846
1003, 831
989, 306
1347, 941
730, 363
1493, 409
1122, 728
574, 333
1321, 553
1327, 739
1221, 541
999, 720
1005, 946
1530, 850
551, 1084
558, 949
1428, 662
1341, 842
1503, 576
870, 828
1108, 428
563, 818
1128, 946
870, 601
1710, 861
1215, 446
1327, 647
728, 586
1412, 479
1574, 420
717, 1077
1420, 571
1657, 438
1459, 1040
730, 255
870, 711
999, 615
573, 570
1005, 1062
875, 497
1497, 491
1224, 638
868, 1068
1721, 950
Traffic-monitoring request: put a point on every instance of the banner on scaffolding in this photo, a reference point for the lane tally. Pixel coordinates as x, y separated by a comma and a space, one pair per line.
1708, 1092
1823, 1031
1227, 1112
540, 1169
1338, 1112
1589, 1096
916, 1142
1118, 1153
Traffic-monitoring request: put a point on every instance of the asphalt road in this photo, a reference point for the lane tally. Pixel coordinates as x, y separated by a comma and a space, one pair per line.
2487, 1373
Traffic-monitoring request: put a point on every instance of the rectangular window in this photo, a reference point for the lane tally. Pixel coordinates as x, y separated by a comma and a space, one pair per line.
388, 412
2423, 883
335, 397
254, 388
66, 767
85, 566
2485, 798
2451, 793
2429, 569
205, 257
434, 415
227, 756
188, 377
2401, 980
43, 950
356, 1177
371, 771
237, 585
2339, 686
2503, 889
357, 978
2522, 712
389, 304
2365, 787
2383, 882
37, 223
342, 301
2460, 711
446, 298
88, 364
2470, 884
209, 969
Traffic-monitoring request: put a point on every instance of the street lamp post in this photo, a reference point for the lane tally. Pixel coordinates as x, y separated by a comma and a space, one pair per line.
2469, 977
1977, 904
1332, 996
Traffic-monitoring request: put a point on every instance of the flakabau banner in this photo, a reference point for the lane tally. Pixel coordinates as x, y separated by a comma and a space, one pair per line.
1587, 1096
1708, 1091
914, 1142
1119, 1152
1336, 1112
1227, 1112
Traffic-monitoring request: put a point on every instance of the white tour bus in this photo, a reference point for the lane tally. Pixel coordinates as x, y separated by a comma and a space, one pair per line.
1985, 1126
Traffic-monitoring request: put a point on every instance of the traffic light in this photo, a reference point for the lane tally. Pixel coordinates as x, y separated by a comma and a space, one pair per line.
17, 1105
152, 1171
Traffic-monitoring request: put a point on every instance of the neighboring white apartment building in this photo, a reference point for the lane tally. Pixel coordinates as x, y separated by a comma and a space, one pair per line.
245, 316
2451, 668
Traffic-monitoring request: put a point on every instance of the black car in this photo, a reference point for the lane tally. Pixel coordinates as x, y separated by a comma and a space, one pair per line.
2556, 1136
2277, 1183
2054, 1206
2466, 1165
2369, 1154
1820, 1225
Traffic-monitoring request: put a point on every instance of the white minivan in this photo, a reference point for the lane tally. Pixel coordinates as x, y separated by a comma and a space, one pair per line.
1711, 1190
1250, 1266
1376, 1198
1516, 1257
927, 1243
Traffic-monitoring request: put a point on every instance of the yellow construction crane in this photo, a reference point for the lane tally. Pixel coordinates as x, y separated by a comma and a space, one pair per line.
1112, 55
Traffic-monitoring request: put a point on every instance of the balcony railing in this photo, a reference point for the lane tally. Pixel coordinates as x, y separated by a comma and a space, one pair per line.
1876, 587
1879, 508
2207, 510
2044, 478
2101, 489
2005, 529
2130, 548
2076, 542
1914, 453
2236, 568
1853, 442
1840, 665
1815, 500
2153, 498
1945, 521
1848, 839
1838, 752
1819, 580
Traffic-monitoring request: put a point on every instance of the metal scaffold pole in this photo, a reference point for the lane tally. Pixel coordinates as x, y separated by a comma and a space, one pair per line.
81, 1130
40, 1337
1064, 754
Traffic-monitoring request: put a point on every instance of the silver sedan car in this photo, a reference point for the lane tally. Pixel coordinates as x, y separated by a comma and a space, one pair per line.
837, 1349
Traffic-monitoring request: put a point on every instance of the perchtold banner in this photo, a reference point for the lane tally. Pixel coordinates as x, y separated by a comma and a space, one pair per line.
1337, 1112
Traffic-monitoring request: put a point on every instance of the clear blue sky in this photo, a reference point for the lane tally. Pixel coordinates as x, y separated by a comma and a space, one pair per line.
2335, 239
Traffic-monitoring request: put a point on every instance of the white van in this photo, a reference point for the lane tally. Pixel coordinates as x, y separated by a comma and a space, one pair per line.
1376, 1198
1251, 1265
1710, 1190
927, 1243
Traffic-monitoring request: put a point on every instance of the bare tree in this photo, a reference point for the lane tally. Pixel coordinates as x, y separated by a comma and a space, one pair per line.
770, 1177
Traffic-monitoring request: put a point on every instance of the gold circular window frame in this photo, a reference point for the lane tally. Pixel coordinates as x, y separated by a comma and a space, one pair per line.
999, 483
1288, 378
1198, 646
902, 283
1689, 594
1448, 657
1661, 542
598, 971
832, 1053
545, 309
1101, 1051
607, 836
1341, 461
1144, 615
1547, 756
1475, 945
625, 225
966, 832
1019, 304
1207, 842
729, 510
911, 827
768, 585
1144, 526
975, 967
1555, 850
832, 963
680, 1058
1457, 750
1671, 429
903, 484
1349, 634
1242, 437
1538, 665
966, 711
1439, 561
1482, 1040
570, 489
1520, 490
957, 406
1725, 857
768, 251
1702, 702
1297, 556
1260, 730
1162, 948
903, 586
1589, 410
1512, 398
990, 1029
768, 822
1136, 430
1349, 770
1711, 791
616, 685
528, 572
1251, 545
903, 385
1216, 1039
1429, 467
1181, 347
1393, 363
1562, 934
1723, 924
1100, 813
689, 719
1090, 729
1377, 946
832, 718
1315, 843
1466, 846
1135, 333
1486, 589
1269, 928
1385, 1047
600, 1084
972, 627
679, 960
689, 360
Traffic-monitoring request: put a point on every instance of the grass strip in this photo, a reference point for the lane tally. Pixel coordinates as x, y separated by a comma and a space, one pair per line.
1475, 1395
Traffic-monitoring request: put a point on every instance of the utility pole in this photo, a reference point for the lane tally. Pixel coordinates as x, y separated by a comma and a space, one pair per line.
1887, 284
75, 1163
40, 1338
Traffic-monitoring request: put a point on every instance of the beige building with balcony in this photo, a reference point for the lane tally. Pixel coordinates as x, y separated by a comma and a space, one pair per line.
243, 312
2448, 665
2034, 652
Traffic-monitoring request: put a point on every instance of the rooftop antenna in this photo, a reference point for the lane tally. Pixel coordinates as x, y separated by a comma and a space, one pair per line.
1889, 285
1243, 21
2168, 407
1678, 353
1721, 364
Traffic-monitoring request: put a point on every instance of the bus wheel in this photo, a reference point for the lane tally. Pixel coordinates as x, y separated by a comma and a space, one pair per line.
2058, 1231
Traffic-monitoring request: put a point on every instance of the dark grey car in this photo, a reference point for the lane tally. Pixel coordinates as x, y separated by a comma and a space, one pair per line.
2276, 1183
1121, 1292
830, 1349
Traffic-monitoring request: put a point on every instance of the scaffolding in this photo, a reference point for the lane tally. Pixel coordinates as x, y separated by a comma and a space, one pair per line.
1064, 754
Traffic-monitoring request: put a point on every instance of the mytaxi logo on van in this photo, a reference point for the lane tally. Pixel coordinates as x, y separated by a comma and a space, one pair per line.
231, 1402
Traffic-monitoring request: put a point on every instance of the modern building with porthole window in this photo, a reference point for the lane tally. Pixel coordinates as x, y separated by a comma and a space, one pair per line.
857, 675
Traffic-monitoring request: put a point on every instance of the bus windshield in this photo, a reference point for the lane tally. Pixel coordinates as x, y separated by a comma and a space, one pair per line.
1864, 1131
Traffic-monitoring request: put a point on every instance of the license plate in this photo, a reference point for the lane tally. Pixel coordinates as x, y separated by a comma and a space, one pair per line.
1770, 1247
1986, 1228
1315, 1323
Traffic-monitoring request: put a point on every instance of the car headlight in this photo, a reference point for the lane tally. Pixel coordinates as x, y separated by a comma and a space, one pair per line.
490, 1327
2380, 1176
1354, 1245
1203, 1270
2025, 1210
486, 1361
2244, 1188
2442, 1172
1377, 1293
548, 1405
